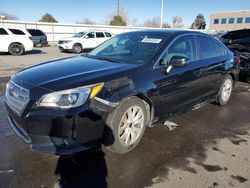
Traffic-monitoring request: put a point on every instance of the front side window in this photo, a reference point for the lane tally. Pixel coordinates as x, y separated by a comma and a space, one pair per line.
91, 35
239, 20
3, 32
223, 21
99, 35
132, 48
216, 21
183, 46
209, 48
247, 20
17, 32
231, 20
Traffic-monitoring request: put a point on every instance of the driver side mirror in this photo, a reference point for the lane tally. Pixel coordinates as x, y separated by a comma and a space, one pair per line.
86, 36
179, 61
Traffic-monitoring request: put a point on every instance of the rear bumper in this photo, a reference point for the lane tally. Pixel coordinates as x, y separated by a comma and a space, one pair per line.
40, 42
55, 132
29, 47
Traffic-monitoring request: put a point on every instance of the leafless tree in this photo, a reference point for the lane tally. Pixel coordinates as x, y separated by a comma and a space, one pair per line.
177, 22
6, 16
85, 21
155, 22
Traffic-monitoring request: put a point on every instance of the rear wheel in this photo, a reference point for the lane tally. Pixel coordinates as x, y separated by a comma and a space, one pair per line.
127, 125
77, 48
16, 49
225, 90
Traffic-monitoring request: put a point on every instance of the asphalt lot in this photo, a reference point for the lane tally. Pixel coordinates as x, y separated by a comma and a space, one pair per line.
210, 149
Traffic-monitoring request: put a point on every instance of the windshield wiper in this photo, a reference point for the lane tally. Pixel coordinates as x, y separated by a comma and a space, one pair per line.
103, 58
106, 59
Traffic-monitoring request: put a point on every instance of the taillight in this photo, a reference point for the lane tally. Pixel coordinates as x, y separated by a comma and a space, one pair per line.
45, 37
30, 38
237, 58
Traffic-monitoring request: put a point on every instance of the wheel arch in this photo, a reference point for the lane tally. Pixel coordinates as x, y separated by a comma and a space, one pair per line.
150, 107
78, 43
15, 43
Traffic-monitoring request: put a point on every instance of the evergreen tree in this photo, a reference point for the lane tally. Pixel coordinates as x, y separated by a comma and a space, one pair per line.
199, 23
48, 18
118, 21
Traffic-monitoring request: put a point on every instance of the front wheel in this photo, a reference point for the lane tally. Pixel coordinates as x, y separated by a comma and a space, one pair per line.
225, 90
77, 48
16, 49
126, 125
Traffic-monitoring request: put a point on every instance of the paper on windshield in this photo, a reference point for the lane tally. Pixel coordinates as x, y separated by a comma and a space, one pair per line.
151, 40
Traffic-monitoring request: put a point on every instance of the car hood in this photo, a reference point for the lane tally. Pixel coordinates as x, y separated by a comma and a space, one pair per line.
72, 72
69, 38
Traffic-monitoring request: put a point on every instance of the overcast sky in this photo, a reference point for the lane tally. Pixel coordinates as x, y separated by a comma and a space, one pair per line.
70, 11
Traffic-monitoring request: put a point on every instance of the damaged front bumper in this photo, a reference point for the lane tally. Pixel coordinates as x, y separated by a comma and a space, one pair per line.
62, 132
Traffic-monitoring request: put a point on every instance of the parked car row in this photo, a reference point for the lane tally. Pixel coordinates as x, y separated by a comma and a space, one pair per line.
118, 90
15, 41
19, 41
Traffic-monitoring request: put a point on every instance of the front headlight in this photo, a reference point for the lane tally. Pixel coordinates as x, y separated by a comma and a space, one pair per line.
67, 41
70, 98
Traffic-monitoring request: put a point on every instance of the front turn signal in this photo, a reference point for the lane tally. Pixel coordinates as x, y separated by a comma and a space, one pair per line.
95, 90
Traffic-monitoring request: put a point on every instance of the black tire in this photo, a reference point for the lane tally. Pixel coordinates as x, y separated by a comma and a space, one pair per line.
111, 135
222, 100
16, 49
77, 48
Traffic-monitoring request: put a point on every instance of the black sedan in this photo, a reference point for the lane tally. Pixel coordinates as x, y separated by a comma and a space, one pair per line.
117, 90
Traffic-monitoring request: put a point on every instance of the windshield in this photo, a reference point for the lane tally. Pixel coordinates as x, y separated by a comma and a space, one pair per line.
80, 34
135, 48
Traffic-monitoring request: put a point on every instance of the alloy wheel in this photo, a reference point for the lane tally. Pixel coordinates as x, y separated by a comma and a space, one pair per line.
131, 125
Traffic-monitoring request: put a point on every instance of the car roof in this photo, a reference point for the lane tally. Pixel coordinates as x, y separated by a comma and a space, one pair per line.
34, 29
169, 32
21, 29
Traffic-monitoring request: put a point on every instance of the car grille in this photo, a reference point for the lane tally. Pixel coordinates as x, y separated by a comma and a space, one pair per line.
17, 97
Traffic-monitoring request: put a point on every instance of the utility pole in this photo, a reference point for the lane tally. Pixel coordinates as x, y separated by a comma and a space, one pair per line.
118, 8
162, 3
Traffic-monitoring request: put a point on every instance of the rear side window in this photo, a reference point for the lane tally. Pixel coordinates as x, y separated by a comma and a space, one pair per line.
108, 34
209, 48
17, 32
3, 32
99, 35
183, 46
35, 32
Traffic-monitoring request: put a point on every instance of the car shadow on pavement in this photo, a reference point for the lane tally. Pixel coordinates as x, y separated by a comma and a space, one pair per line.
84, 169
35, 52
